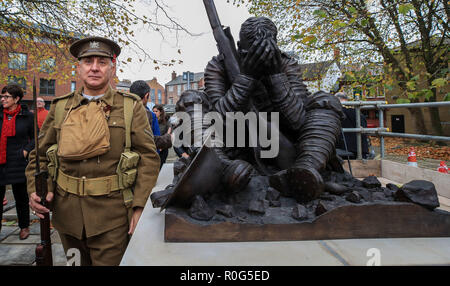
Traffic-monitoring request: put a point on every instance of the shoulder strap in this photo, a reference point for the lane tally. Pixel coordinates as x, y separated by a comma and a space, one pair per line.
128, 104
59, 110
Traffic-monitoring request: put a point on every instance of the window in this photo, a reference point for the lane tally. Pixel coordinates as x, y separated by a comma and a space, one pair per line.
152, 95
73, 86
47, 87
375, 90
159, 97
178, 89
21, 81
171, 100
17, 61
170, 88
195, 85
48, 65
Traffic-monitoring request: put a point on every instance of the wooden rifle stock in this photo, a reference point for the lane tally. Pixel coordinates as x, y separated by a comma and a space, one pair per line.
44, 249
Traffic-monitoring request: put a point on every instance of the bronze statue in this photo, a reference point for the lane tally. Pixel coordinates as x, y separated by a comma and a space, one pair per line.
234, 193
270, 81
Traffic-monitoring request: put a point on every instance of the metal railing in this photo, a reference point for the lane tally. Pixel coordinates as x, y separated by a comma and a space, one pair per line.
381, 131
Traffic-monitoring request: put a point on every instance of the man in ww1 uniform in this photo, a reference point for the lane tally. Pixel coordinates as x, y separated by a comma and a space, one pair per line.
98, 148
270, 81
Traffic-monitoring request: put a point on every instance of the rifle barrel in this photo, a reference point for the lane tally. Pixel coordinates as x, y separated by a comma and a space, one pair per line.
44, 249
36, 132
212, 14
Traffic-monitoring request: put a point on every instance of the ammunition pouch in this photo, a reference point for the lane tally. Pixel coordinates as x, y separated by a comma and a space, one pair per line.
126, 173
127, 169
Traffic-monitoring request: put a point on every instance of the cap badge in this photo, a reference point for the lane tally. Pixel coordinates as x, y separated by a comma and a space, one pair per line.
94, 45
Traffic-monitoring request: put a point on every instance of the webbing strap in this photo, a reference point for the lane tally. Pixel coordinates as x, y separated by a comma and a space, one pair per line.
59, 110
128, 115
87, 187
128, 197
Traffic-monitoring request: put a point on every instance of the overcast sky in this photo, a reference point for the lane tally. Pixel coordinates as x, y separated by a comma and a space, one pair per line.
196, 51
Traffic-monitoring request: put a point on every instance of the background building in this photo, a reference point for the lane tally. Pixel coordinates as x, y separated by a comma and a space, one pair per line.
177, 85
157, 92
53, 67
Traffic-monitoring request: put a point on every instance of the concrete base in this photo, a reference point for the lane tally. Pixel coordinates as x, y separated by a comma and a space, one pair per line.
147, 247
403, 173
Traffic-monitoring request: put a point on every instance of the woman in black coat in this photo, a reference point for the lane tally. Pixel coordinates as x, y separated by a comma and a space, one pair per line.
16, 142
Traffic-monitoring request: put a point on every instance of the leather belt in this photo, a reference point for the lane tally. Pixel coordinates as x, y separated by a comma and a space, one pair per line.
87, 187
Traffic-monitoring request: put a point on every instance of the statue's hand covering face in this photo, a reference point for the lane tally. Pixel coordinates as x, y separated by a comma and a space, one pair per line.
258, 51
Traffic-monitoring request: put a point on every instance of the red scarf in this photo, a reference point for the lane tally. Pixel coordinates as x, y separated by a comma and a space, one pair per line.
8, 130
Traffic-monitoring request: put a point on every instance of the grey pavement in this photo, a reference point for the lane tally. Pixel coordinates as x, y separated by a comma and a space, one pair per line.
14, 251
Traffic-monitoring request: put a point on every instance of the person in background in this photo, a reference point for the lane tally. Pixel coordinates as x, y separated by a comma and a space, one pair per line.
350, 137
16, 142
141, 89
42, 112
164, 128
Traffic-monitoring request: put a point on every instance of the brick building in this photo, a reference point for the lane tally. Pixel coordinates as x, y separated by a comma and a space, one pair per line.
177, 85
55, 73
157, 92
20, 66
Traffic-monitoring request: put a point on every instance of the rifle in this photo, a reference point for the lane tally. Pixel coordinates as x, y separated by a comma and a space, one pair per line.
227, 49
44, 249
225, 41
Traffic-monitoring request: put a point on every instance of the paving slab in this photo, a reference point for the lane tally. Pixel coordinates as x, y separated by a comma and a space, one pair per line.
394, 251
12, 215
12, 254
6, 231
14, 239
35, 228
59, 257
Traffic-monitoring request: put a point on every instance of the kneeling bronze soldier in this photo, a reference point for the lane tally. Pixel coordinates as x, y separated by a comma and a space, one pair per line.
270, 81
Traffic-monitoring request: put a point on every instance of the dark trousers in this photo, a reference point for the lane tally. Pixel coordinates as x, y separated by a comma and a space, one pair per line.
163, 156
22, 207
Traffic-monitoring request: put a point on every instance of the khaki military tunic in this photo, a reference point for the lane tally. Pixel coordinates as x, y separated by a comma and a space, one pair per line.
93, 215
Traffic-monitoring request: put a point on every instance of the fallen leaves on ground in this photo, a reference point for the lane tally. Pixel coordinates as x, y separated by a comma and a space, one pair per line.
402, 146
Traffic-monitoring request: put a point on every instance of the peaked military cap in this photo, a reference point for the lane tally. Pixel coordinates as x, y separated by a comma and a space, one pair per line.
94, 46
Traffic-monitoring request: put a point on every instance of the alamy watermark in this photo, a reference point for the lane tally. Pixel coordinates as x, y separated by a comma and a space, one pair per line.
235, 127
375, 257
73, 257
